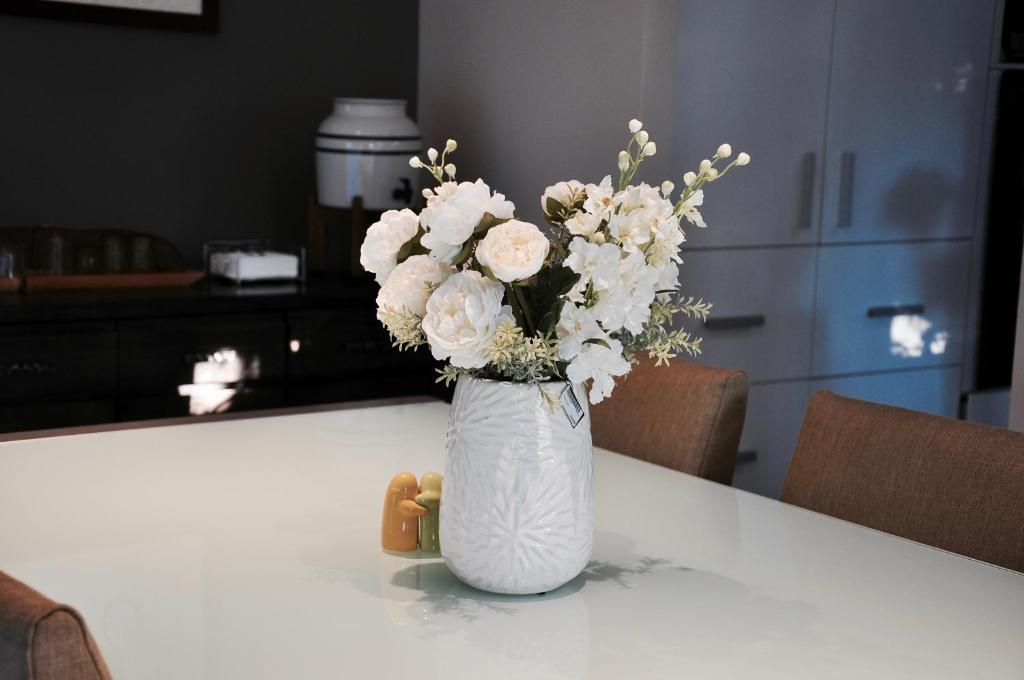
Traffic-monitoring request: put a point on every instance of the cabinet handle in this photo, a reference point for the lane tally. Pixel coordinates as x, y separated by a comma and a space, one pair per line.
26, 368
807, 192
894, 310
734, 322
846, 170
746, 457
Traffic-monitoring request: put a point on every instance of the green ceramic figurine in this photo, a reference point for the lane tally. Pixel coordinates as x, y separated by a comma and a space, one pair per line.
430, 498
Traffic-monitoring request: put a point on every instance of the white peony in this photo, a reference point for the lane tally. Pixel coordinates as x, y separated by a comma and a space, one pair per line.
596, 264
513, 251
410, 284
583, 224
454, 211
599, 364
384, 238
575, 326
689, 208
462, 316
565, 194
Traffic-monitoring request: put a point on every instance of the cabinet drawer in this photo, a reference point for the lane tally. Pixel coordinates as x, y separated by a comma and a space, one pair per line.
341, 343
932, 390
890, 306
774, 415
56, 361
762, 316
156, 356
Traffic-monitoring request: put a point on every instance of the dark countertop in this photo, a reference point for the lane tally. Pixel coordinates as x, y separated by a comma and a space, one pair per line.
205, 297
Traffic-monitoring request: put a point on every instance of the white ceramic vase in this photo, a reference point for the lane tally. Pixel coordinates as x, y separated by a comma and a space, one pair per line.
363, 149
517, 513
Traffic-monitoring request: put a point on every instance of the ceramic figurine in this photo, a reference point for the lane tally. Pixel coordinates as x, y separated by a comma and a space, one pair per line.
429, 498
399, 531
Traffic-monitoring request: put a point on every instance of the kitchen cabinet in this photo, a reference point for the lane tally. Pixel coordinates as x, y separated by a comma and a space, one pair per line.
890, 306
774, 414
905, 115
932, 390
755, 74
763, 309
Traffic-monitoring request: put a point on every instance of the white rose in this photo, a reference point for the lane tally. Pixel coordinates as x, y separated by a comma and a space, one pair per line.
513, 251
583, 224
384, 239
410, 284
462, 316
455, 211
599, 364
564, 193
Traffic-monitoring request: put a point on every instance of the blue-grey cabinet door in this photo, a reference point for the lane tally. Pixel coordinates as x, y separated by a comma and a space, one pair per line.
763, 308
905, 116
755, 74
774, 414
932, 390
890, 306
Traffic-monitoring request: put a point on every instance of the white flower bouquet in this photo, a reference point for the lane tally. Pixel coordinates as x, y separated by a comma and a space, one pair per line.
498, 298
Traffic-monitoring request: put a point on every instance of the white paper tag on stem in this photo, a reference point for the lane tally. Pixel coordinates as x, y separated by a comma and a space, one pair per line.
571, 406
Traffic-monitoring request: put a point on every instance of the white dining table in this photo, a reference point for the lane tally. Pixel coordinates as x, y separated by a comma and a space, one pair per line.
251, 549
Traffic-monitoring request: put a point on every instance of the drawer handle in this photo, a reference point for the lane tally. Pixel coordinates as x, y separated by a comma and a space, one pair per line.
743, 457
807, 192
726, 323
26, 368
894, 310
846, 170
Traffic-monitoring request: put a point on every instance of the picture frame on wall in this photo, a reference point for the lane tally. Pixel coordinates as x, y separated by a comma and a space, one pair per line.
188, 15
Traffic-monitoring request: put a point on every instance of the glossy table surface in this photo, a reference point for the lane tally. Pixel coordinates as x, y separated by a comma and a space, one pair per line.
250, 549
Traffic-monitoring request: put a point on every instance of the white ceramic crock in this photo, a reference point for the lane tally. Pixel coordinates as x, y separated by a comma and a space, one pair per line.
517, 511
363, 149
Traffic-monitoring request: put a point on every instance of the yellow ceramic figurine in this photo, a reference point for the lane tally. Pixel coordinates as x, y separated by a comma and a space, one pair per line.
412, 514
399, 531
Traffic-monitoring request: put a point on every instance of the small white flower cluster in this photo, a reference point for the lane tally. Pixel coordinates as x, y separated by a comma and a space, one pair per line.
497, 298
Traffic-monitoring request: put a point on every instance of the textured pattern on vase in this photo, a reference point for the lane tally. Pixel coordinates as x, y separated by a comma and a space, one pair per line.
517, 511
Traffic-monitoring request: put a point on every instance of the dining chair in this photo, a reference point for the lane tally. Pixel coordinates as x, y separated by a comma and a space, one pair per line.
684, 416
948, 483
43, 640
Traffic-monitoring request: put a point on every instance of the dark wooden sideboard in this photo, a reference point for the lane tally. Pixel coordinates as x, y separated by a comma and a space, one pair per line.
90, 357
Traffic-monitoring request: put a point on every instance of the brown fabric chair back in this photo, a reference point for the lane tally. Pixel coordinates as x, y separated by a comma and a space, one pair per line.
42, 640
685, 416
948, 483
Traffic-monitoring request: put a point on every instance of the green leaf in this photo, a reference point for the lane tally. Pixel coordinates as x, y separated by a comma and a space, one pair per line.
597, 341
553, 207
412, 247
487, 222
464, 254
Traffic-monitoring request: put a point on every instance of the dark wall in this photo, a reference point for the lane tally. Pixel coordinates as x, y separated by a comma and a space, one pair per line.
190, 136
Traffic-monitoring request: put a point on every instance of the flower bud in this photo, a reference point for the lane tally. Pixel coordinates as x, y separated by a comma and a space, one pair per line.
642, 137
450, 170
667, 187
650, 148
724, 151
427, 193
623, 161
743, 158
597, 237
705, 165
712, 174
635, 126
432, 154
689, 178
415, 162
450, 145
